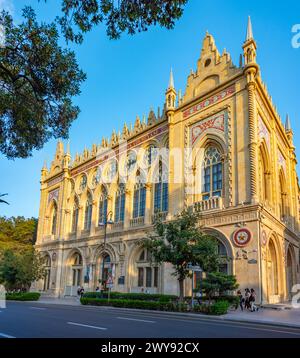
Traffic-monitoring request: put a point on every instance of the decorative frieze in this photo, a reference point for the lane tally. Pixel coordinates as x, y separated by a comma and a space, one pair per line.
209, 101
53, 195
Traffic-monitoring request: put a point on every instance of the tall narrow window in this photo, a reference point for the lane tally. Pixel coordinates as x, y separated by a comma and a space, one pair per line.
120, 204
212, 173
54, 219
161, 196
102, 207
75, 215
139, 200
88, 213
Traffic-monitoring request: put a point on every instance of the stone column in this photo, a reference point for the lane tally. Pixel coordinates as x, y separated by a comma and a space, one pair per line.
252, 117
128, 209
148, 210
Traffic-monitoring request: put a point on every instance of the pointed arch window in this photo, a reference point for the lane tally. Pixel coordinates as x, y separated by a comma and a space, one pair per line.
212, 173
75, 215
102, 217
139, 198
283, 196
54, 219
120, 204
88, 212
161, 195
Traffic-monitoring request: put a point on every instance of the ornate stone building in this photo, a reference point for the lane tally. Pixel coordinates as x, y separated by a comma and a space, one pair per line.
227, 155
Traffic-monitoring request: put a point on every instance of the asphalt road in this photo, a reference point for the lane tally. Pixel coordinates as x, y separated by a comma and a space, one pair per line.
32, 320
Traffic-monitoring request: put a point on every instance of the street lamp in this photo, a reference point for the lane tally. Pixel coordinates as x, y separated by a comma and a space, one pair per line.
104, 224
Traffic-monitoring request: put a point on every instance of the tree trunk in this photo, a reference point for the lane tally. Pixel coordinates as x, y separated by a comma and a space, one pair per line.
181, 293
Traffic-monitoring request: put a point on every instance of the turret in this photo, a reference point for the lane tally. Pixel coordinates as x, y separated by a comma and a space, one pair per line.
249, 45
44, 171
288, 129
171, 96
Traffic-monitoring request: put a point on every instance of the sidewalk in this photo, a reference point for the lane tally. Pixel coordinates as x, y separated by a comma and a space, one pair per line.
70, 301
287, 317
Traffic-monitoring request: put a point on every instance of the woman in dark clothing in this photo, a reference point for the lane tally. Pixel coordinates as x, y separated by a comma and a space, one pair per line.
247, 299
242, 300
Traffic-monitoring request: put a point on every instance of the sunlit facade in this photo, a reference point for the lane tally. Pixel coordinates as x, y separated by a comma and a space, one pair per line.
220, 149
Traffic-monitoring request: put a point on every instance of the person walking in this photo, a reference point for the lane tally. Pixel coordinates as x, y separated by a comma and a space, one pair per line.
241, 299
252, 300
247, 299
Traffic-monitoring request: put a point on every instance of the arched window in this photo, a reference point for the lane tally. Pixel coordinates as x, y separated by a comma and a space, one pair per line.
147, 273
161, 190
120, 204
88, 212
75, 215
212, 173
54, 219
150, 155
47, 270
264, 177
282, 203
139, 198
102, 217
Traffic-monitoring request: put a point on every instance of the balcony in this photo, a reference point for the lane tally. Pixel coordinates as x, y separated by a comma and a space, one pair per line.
162, 215
137, 221
117, 226
214, 203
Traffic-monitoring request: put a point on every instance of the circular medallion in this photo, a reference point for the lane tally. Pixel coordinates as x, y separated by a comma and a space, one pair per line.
242, 237
264, 238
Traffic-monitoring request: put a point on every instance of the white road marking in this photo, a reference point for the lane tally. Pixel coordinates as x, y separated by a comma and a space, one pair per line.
6, 335
87, 326
135, 319
37, 308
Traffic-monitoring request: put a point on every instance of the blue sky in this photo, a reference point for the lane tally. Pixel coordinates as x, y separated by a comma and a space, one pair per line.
129, 76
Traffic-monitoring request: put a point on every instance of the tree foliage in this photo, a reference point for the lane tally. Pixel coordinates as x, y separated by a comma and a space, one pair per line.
19, 270
2, 201
119, 16
17, 232
37, 81
218, 283
181, 242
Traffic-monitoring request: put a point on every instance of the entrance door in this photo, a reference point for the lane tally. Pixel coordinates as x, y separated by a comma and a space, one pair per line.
272, 269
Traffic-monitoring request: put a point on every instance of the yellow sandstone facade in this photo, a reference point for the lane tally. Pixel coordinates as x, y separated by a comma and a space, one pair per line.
220, 149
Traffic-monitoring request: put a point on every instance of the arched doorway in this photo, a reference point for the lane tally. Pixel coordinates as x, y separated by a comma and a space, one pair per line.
76, 268
290, 271
104, 270
272, 272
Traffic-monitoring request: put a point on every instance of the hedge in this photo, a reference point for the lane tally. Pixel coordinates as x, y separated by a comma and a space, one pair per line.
218, 308
132, 296
23, 296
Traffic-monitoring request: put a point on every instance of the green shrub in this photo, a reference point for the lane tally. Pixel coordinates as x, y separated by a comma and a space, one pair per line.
139, 304
232, 300
219, 308
132, 296
23, 296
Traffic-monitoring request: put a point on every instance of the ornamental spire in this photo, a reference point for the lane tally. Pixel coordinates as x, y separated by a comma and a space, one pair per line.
171, 81
249, 34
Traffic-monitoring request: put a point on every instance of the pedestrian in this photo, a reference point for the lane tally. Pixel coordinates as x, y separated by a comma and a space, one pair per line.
247, 299
252, 300
78, 290
241, 299
97, 289
81, 292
